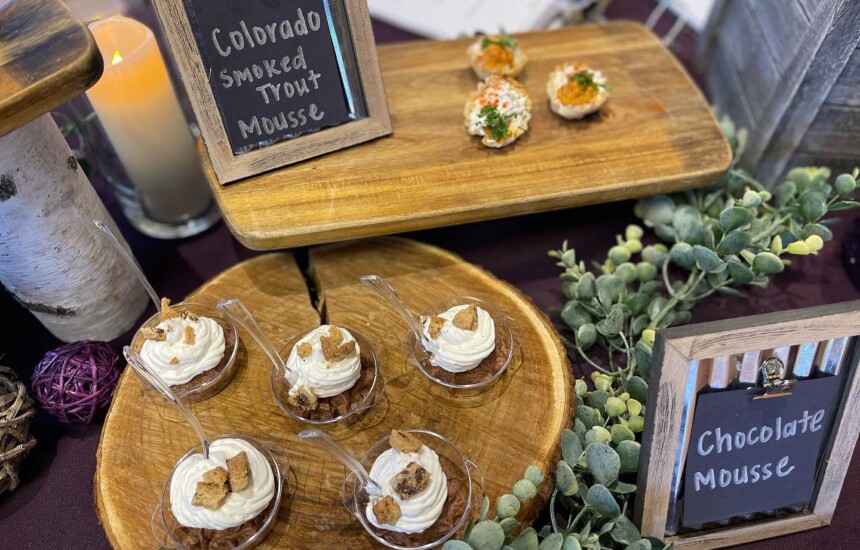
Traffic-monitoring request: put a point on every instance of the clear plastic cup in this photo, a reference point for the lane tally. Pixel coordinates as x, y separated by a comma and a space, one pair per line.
208, 383
501, 356
375, 393
463, 476
168, 532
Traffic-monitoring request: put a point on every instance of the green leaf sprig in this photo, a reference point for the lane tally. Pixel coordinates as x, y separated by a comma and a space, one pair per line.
505, 40
495, 121
494, 532
585, 79
715, 239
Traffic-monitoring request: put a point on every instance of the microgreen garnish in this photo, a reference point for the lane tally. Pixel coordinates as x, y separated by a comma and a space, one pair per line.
494, 120
505, 41
585, 79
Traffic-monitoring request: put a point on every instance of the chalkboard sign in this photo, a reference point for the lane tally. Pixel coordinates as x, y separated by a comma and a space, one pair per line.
719, 468
277, 81
751, 455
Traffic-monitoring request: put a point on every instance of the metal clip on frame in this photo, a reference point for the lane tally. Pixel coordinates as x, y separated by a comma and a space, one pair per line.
772, 372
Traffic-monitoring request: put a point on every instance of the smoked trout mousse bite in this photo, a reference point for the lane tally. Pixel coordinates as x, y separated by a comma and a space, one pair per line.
575, 91
426, 490
191, 346
330, 373
229, 500
499, 111
498, 55
462, 345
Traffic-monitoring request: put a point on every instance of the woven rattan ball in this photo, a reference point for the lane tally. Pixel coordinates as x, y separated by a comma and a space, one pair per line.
16, 412
76, 381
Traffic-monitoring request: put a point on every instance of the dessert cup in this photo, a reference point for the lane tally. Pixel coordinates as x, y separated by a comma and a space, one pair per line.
367, 392
210, 382
465, 492
170, 534
488, 371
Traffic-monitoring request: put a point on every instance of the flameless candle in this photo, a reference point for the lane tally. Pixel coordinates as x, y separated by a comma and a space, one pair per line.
138, 108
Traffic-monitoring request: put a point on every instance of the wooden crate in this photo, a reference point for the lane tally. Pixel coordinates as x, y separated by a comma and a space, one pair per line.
789, 71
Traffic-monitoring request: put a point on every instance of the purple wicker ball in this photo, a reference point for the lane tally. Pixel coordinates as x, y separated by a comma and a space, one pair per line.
76, 381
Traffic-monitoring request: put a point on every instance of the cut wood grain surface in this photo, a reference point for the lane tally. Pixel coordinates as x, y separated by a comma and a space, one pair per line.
47, 56
515, 423
656, 134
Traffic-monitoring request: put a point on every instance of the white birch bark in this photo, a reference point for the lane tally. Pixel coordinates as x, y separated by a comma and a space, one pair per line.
53, 259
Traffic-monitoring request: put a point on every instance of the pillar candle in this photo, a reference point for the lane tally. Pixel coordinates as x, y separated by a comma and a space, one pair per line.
138, 108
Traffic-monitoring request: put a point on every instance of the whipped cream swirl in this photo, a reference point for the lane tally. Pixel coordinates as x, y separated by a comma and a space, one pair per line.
456, 349
236, 508
421, 510
322, 377
177, 362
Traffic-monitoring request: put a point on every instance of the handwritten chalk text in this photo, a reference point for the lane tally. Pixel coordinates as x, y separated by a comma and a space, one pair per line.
270, 33
710, 440
282, 121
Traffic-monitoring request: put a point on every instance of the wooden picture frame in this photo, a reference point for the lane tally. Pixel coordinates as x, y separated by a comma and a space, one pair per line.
676, 353
352, 18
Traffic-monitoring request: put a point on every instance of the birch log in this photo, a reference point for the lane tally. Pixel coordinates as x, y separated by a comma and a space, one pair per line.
53, 259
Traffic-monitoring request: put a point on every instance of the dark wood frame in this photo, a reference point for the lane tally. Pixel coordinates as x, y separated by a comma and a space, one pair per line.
674, 349
229, 166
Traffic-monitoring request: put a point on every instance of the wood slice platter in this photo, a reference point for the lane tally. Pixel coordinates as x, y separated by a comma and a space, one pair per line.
517, 422
47, 56
656, 134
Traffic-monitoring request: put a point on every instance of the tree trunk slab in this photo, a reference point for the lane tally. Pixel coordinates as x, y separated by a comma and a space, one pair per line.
517, 422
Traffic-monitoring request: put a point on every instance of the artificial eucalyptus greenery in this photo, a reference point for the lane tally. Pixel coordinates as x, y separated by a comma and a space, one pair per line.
498, 531
714, 239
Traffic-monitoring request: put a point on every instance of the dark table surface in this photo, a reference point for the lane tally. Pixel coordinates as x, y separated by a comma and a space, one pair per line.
54, 508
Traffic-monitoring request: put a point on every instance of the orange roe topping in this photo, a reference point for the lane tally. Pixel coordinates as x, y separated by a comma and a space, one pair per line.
489, 96
497, 57
573, 93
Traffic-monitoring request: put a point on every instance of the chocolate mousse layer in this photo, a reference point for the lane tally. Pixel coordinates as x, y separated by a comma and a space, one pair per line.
329, 408
218, 539
188, 389
452, 511
485, 370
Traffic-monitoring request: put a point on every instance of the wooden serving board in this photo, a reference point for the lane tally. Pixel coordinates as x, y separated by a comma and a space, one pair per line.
47, 55
516, 423
656, 134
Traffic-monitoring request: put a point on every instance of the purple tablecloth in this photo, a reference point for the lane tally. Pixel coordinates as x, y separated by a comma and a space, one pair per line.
53, 507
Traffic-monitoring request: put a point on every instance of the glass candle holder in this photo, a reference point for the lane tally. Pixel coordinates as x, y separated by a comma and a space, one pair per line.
166, 194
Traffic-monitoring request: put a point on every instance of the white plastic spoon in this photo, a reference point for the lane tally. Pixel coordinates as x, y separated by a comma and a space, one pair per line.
163, 388
242, 315
132, 263
387, 292
326, 442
